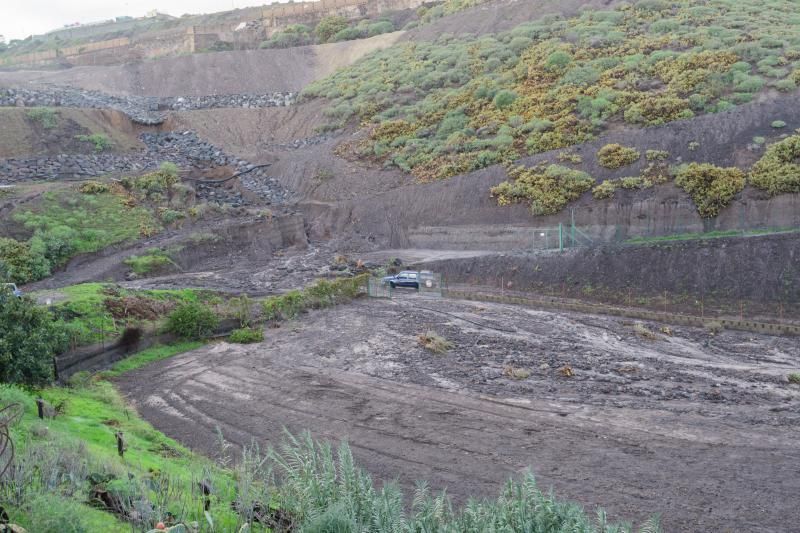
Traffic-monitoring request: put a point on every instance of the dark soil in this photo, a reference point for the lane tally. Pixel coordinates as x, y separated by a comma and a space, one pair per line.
701, 428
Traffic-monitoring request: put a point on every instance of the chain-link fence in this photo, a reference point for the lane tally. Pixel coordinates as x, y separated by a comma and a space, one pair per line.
376, 288
648, 222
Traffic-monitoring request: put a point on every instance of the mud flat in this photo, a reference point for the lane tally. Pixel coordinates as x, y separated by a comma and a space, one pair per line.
699, 427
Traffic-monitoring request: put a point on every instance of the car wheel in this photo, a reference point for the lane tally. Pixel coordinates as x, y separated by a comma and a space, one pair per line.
392, 285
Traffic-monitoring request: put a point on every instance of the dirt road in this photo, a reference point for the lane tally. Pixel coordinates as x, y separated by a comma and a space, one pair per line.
702, 429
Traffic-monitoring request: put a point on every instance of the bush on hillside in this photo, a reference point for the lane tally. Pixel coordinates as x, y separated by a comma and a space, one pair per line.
778, 171
29, 338
20, 264
547, 189
330, 26
246, 335
192, 321
615, 156
711, 187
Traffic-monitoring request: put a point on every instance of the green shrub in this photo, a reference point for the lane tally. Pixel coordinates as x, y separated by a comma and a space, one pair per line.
558, 60
778, 170
604, 190
246, 335
504, 99
656, 155
546, 189
20, 264
794, 377
100, 141
94, 187
711, 187
330, 26
154, 261
192, 321
778, 124
46, 116
284, 307
29, 338
615, 156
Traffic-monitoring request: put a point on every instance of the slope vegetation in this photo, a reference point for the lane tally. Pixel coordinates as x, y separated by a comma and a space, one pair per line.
437, 109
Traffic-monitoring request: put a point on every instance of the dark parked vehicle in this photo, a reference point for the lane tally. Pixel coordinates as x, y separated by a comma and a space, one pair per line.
403, 279
11, 288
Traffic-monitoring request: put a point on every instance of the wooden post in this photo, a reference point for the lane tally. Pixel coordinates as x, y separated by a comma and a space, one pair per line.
665, 302
40, 407
120, 443
741, 310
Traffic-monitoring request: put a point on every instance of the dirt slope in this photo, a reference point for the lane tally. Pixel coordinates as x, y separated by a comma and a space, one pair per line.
21, 136
703, 433
239, 72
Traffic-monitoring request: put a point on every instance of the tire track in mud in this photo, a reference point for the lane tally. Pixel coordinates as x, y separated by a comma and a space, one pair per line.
706, 466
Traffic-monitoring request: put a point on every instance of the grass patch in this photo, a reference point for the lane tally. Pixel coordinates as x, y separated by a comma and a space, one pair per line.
45, 116
60, 466
794, 378
92, 312
246, 335
150, 355
100, 141
154, 260
709, 235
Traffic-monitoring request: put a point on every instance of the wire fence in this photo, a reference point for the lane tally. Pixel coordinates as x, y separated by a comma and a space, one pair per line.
651, 222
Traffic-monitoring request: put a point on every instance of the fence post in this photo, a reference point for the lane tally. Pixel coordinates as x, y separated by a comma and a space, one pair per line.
572, 224
560, 237
120, 443
40, 407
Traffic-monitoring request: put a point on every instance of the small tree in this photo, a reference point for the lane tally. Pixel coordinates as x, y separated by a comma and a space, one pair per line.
192, 321
29, 338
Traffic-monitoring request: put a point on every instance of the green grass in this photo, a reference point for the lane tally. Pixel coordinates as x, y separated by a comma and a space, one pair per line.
91, 221
154, 260
150, 355
91, 416
89, 320
709, 235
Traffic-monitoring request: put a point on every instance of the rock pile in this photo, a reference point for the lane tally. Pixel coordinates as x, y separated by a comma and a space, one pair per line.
143, 110
185, 103
185, 149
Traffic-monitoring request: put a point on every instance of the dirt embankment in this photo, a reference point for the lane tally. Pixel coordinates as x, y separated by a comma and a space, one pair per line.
699, 428
23, 136
221, 253
760, 271
392, 209
239, 72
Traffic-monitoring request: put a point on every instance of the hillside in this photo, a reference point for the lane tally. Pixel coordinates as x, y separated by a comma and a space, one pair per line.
467, 237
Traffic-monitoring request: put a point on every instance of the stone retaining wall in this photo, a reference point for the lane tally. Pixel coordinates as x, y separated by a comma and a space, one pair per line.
142, 110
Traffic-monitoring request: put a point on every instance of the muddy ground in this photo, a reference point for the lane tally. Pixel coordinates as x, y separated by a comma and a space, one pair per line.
700, 428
